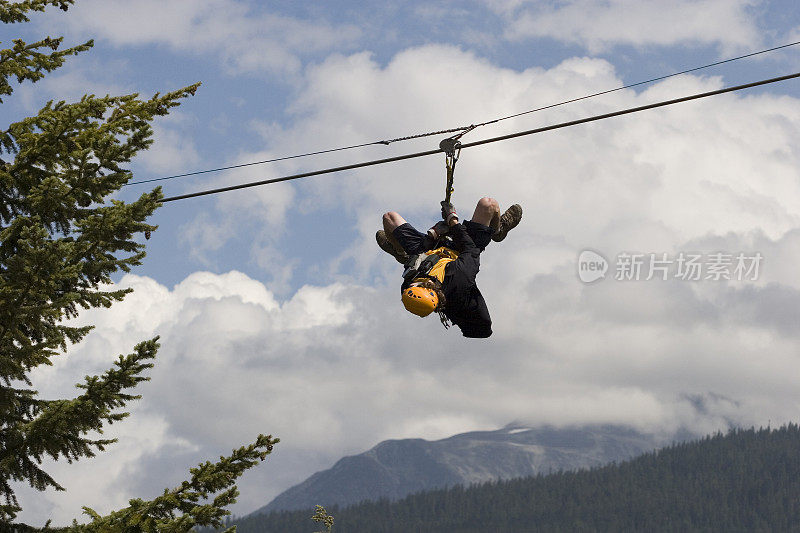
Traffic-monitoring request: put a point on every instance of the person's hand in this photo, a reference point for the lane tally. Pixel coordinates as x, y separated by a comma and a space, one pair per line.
448, 212
438, 230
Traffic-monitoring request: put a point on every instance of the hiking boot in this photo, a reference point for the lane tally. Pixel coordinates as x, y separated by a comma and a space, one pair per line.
494, 224
391, 246
508, 221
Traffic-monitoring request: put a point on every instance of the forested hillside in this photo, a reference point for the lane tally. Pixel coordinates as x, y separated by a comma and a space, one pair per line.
747, 480
396, 468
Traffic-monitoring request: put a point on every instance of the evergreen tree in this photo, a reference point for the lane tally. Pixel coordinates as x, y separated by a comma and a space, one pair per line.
61, 239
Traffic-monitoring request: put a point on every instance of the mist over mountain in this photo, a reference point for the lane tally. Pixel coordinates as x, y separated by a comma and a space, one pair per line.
745, 480
396, 468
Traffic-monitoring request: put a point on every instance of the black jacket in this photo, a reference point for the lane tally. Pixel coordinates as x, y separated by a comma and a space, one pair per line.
465, 305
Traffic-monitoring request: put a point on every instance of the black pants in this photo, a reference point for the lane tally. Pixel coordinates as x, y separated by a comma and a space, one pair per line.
415, 242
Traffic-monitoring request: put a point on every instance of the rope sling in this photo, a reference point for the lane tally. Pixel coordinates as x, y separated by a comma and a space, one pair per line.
451, 146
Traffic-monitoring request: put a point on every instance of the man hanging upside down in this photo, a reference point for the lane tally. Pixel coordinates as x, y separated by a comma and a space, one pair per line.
441, 266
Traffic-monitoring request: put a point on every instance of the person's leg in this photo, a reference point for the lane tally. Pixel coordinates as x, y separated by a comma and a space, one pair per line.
386, 239
487, 212
403, 236
484, 221
392, 220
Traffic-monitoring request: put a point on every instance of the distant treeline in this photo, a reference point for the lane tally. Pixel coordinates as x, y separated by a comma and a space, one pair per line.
747, 480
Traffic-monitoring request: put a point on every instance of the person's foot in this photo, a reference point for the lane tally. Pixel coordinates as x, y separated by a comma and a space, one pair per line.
508, 221
391, 248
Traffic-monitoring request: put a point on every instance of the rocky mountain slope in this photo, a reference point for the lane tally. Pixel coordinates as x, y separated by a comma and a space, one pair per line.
396, 468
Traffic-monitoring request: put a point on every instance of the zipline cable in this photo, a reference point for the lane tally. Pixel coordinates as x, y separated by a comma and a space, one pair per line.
484, 141
640, 83
230, 167
451, 130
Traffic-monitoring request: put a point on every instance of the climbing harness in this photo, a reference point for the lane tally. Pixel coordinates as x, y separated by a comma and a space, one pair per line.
427, 265
430, 266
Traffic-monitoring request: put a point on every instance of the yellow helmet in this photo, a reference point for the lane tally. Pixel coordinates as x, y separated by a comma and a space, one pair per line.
420, 300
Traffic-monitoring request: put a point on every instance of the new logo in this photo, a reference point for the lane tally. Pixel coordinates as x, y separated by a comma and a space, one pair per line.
591, 266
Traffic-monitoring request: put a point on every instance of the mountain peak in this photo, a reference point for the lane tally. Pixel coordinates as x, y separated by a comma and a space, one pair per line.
395, 468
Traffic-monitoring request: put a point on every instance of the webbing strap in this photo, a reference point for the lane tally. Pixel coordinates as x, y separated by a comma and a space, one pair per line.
452, 149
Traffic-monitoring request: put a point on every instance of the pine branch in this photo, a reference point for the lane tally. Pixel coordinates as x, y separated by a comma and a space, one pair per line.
56, 250
70, 419
60, 242
321, 516
182, 508
11, 12
59, 429
59, 246
26, 62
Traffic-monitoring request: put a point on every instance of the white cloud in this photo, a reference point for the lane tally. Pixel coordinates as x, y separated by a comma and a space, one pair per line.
259, 213
601, 24
278, 268
334, 368
244, 38
649, 181
203, 236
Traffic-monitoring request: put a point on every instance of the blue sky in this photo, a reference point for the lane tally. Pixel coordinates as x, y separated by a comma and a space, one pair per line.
278, 313
217, 126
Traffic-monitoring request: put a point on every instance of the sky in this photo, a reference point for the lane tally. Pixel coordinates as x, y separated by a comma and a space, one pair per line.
277, 312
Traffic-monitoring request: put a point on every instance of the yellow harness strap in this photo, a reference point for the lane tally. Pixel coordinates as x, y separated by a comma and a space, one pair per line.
446, 255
